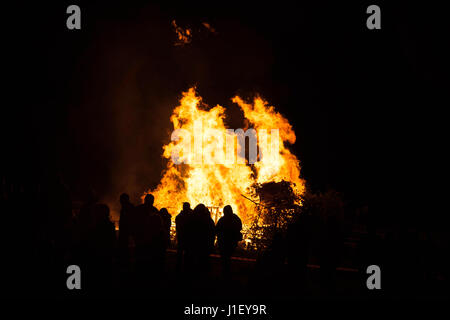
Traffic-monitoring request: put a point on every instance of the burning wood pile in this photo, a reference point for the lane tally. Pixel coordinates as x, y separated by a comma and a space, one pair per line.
278, 205
208, 163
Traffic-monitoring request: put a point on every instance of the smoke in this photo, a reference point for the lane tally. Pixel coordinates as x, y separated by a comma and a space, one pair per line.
131, 77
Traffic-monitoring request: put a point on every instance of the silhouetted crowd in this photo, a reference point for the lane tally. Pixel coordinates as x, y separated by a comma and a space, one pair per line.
147, 230
143, 240
42, 235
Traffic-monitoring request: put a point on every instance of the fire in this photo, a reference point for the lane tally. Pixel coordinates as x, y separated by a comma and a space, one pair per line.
184, 36
228, 180
282, 165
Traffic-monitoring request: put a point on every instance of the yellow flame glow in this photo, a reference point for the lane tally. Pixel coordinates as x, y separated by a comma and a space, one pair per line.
217, 185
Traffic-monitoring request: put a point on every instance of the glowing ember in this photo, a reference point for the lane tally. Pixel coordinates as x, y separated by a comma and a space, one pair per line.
184, 36
225, 181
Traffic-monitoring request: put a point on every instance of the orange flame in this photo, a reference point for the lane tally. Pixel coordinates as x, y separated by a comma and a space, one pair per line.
223, 183
184, 36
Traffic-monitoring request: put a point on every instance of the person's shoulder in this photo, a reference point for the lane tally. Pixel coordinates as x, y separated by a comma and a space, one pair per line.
155, 218
183, 216
221, 220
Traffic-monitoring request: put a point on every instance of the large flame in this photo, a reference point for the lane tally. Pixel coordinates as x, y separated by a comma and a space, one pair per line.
217, 185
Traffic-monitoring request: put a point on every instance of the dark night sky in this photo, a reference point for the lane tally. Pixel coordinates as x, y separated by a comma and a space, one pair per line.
95, 103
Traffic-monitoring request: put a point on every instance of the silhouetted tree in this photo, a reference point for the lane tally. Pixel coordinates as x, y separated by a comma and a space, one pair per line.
278, 205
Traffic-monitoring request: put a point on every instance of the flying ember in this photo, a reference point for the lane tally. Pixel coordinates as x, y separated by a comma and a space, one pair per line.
230, 178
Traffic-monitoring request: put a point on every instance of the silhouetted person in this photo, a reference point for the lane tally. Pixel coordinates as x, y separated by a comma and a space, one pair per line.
56, 227
85, 219
84, 229
181, 222
125, 218
166, 219
149, 242
60, 213
200, 239
103, 240
228, 232
91, 199
125, 229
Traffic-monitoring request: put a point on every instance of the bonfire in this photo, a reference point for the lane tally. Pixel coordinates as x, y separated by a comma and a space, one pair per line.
231, 179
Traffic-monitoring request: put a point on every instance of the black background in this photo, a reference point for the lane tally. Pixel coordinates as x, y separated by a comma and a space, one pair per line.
93, 105
357, 98
318, 64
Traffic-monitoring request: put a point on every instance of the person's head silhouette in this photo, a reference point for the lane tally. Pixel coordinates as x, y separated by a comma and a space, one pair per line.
186, 206
227, 211
199, 209
149, 199
103, 212
124, 198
